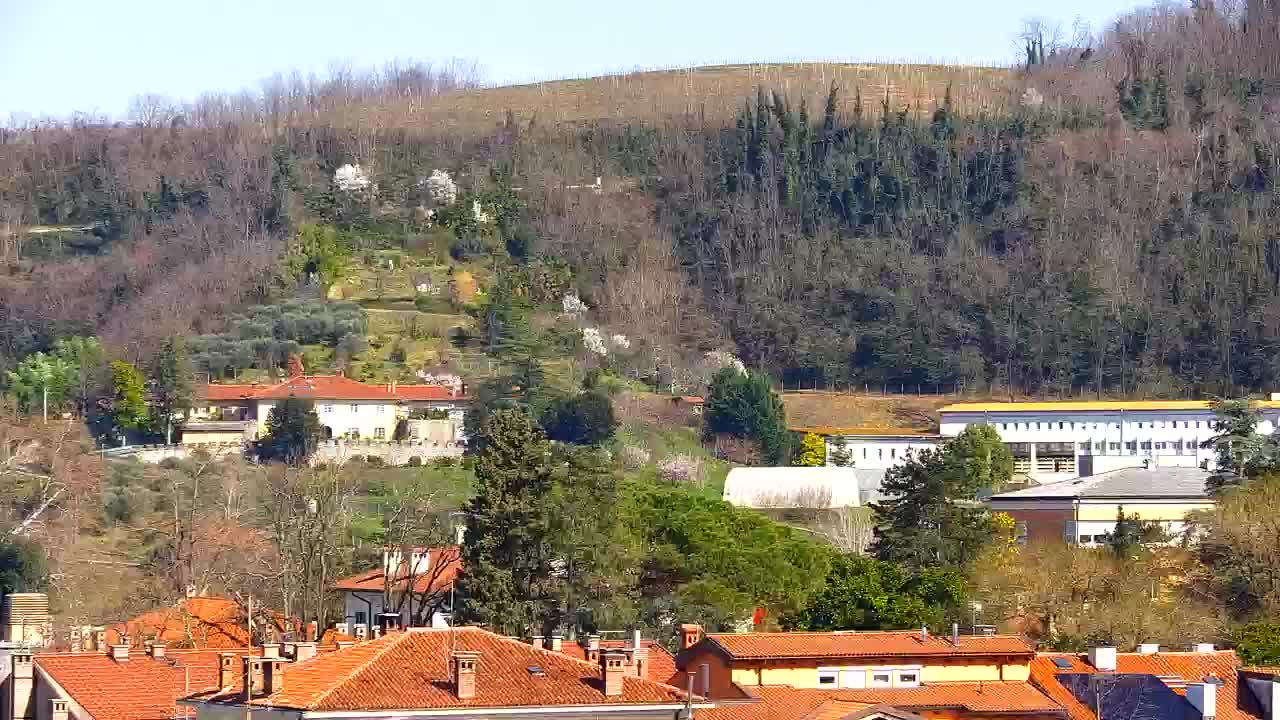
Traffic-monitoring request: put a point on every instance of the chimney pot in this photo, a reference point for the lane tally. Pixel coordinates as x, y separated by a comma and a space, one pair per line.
58, 709
100, 641
273, 675
1103, 658
464, 673
1203, 647
361, 631
344, 644
924, 634
1148, 648
557, 643
613, 666
271, 650
955, 634
226, 669
635, 638
537, 641
120, 653
342, 628
157, 650
304, 651
313, 631
690, 635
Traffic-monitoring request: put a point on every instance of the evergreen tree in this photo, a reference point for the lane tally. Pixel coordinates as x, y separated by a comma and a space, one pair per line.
42, 383
931, 516
863, 593
293, 432
1240, 451
507, 581
743, 405
128, 397
813, 451
171, 386
1133, 534
840, 454
23, 567
583, 419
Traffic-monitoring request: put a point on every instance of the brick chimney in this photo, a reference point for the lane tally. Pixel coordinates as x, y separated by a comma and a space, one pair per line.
593, 648
273, 675
690, 635
120, 653
613, 666
22, 685
304, 651
226, 669
464, 666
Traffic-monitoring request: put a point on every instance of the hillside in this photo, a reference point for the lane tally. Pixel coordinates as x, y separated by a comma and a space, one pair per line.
870, 413
716, 93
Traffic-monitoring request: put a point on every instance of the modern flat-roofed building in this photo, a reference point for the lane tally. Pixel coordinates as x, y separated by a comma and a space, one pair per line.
1063, 440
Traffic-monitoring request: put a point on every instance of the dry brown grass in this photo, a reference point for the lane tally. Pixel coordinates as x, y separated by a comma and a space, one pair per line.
713, 93
869, 413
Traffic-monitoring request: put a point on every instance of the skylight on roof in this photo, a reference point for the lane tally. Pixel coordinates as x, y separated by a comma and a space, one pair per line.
1062, 663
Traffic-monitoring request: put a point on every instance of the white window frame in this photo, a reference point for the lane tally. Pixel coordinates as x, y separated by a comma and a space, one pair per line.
831, 675
355, 408
872, 682
898, 682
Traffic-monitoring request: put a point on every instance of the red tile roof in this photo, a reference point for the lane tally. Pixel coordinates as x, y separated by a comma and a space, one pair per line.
422, 393
443, 565
328, 387
410, 670
199, 622
766, 646
969, 697
140, 689
662, 664
1187, 666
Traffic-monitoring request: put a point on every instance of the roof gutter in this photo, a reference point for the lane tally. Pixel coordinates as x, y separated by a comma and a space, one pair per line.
532, 710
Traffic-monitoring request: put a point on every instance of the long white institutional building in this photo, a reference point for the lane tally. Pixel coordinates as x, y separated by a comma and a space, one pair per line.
1061, 440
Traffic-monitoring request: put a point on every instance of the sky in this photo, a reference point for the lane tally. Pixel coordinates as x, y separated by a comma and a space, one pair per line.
63, 56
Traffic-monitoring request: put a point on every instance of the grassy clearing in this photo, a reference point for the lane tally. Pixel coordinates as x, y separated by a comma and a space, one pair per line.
874, 413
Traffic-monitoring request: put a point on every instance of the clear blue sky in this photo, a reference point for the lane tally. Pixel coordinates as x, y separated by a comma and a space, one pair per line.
59, 56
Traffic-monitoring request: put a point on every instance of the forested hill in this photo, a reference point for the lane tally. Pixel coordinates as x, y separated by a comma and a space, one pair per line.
1101, 220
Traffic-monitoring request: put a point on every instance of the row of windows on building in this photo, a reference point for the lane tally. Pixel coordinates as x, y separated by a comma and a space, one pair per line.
869, 677
1071, 425
355, 408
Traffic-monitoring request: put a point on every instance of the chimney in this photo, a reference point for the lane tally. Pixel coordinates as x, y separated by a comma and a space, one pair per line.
464, 673
22, 685
690, 635
924, 634
254, 674
955, 634
377, 632
361, 631
99, 640
120, 653
1203, 696
313, 631
1148, 648
1203, 648
271, 651
273, 675
342, 628
640, 661
1103, 658
557, 643
613, 666
289, 650
226, 669
304, 651
537, 641
389, 622
157, 650
344, 644
635, 638
593, 648
58, 709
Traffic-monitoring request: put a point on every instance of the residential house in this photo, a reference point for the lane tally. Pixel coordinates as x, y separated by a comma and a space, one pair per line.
1152, 684
417, 589
653, 661
952, 701
1083, 511
721, 664
120, 684
425, 672
346, 408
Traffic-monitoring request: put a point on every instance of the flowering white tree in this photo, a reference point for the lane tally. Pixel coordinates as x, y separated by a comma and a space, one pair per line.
441, 188
351, 178
482, 217
719, 359
573, 305
594, 342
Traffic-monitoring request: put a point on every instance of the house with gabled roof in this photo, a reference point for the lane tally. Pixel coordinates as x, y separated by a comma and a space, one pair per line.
423, 672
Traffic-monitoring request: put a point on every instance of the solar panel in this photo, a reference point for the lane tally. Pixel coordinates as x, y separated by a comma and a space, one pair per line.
1062, 663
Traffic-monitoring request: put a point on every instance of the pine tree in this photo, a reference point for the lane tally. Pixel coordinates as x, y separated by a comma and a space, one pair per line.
507, 581
293, 432
128, 400
840, 454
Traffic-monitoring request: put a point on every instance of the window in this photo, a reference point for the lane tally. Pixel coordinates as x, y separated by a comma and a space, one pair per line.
828, 677
1160, 446
1084, 446
1114, 446
893, 452
1086, 539
355, 408
907, 678
361, 618
1037, 425
864, 453
881, 679
326, 408
881, 453
1004, 426
1139, 426
380, 433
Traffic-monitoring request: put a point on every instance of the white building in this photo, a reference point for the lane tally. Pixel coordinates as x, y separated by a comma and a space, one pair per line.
878, 451
419, 589
802, 487
1062, 440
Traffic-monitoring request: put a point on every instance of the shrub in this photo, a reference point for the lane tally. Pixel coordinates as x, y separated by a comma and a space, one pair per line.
583, 419
683, 470
414, 461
